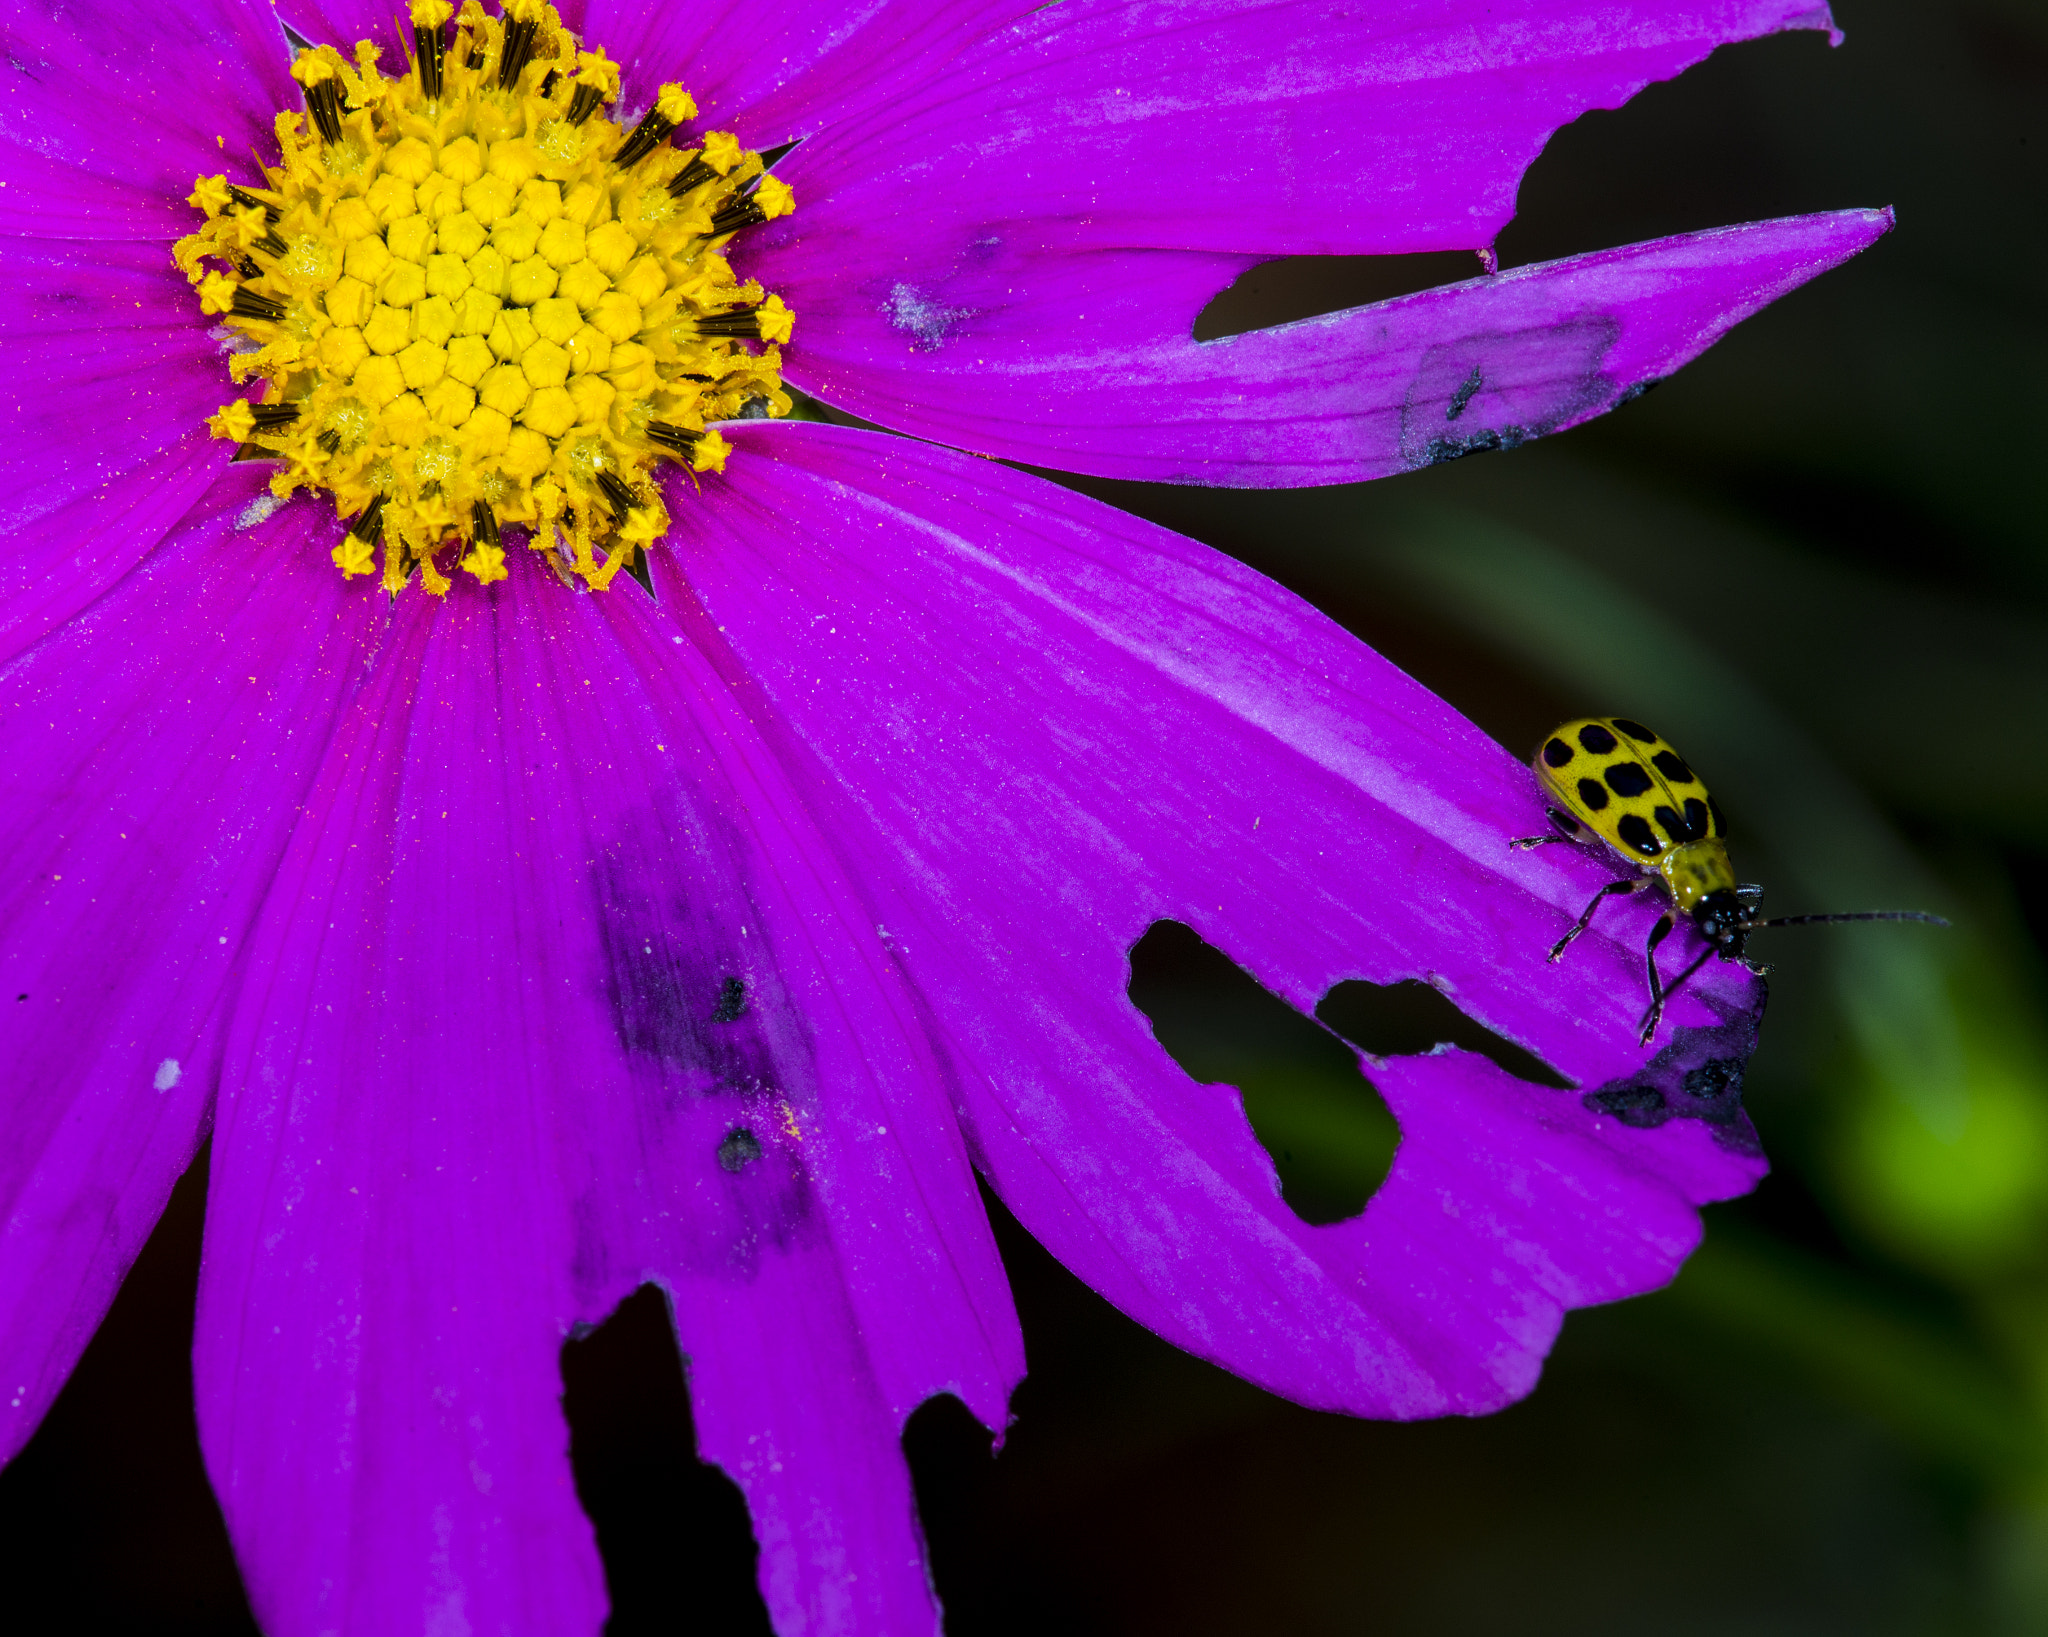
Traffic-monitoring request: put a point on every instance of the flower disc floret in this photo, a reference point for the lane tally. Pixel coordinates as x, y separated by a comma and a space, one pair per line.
474, 299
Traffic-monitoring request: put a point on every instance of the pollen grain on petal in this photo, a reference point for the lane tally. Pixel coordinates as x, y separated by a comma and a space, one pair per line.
475, 300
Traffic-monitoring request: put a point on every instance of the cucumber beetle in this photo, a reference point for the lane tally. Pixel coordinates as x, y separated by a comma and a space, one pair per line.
1613, 783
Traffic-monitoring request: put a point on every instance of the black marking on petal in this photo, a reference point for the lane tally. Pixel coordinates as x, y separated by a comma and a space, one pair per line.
1467, 390
1502, 388
1593, 793
1628, 779
1635, 830
732, 1001
1556, 753
1698, 1076
1597, 739
1635, 730
1672, 766
738, 1149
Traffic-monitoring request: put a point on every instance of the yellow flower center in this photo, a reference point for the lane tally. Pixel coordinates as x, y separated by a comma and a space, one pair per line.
475, 300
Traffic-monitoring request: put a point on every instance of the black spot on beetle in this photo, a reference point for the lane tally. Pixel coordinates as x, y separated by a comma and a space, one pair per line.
1678, 826
1597, 739
1635, 730
1556, 753
1628, 779
1696, 817
1720, 824
1697, 1076
1672, 766
1464, 394
1636, 831
738, 1149
732, 1001
1593, 793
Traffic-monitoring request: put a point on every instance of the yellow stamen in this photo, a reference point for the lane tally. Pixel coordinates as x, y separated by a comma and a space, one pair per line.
474, 309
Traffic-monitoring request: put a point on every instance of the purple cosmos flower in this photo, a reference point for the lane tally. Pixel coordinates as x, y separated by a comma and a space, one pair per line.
521, 945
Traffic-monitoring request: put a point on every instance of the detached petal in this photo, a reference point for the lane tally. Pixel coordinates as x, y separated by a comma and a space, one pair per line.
1361, 394
153, 753
561, 994
1050, 725
1070, 196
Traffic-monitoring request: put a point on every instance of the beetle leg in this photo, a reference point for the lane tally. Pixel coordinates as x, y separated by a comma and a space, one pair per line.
1658, 999
1654, 1016
1564, 826
1635, 884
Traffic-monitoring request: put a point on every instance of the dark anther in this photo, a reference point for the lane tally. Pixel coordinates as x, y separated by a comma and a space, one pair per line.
616, 495
483, 523
676, 438
693, 175
330, 440
649, 134
584, 103
248, 269
248, 304
274, 417
428, 51
742, 323
735, 214
517, 51
245, 199
323, 101
370, 524
475, 59
547, 86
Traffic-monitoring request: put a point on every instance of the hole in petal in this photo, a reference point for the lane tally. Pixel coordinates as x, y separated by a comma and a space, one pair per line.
1410, 1018
1330, 1136
673, 1531
1297, 287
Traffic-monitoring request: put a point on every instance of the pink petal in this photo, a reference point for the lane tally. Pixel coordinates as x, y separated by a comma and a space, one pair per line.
1048, 725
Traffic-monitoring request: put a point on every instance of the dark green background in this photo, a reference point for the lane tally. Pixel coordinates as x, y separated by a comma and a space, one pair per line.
1815, 560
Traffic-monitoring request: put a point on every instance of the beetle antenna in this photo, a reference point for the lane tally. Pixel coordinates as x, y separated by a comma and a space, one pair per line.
1858, 915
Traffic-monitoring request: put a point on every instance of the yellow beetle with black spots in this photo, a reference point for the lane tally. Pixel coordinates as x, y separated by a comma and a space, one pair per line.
1613, 783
